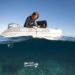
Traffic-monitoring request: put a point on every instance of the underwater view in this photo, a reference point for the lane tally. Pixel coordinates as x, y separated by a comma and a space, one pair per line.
37, 56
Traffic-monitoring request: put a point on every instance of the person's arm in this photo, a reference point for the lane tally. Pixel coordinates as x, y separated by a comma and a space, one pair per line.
34, 23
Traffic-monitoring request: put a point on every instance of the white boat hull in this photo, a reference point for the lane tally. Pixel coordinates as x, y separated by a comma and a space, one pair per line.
51, 34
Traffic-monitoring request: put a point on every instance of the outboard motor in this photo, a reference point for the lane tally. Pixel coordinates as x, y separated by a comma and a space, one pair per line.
42, 24
13, 25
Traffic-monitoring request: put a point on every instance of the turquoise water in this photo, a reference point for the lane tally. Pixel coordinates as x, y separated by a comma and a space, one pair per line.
54, 57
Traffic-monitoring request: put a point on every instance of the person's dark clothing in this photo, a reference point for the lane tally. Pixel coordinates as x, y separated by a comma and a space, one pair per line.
29, 22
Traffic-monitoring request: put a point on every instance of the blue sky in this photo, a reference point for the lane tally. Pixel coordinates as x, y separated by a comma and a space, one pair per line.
58, 13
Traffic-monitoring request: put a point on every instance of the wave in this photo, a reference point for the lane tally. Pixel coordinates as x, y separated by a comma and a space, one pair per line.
67, 38
5, 40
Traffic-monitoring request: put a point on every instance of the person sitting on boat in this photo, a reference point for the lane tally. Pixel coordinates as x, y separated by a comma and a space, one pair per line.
30, 21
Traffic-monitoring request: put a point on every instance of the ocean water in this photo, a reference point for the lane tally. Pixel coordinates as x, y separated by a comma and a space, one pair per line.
54, 57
